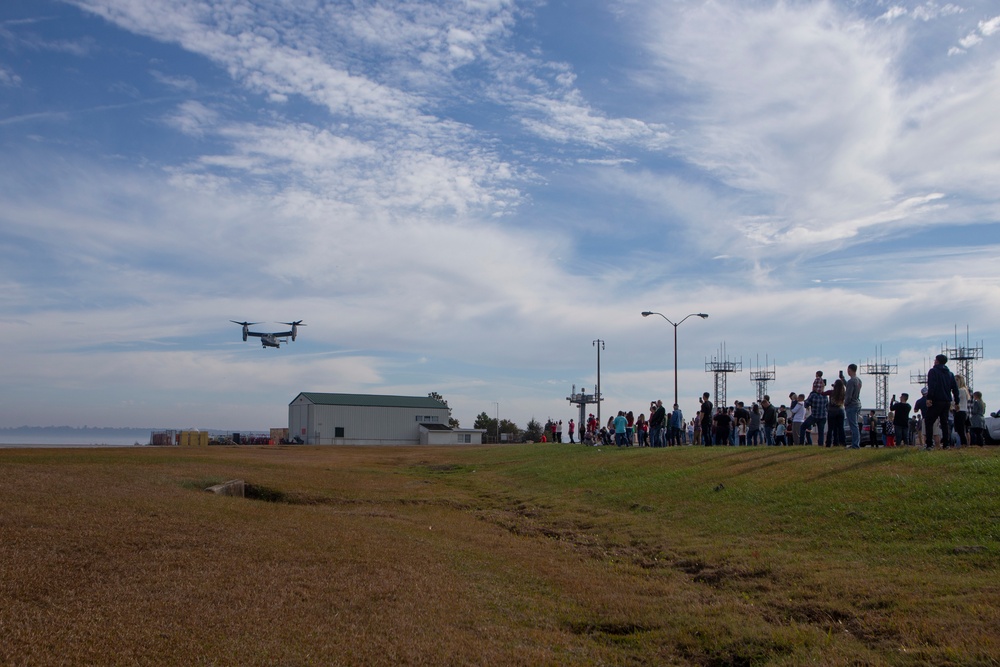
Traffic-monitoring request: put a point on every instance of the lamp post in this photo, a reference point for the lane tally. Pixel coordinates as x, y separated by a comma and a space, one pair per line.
497, 404
599, 344
647, 313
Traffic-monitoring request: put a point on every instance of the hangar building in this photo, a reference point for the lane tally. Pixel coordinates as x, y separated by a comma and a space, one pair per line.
370, 419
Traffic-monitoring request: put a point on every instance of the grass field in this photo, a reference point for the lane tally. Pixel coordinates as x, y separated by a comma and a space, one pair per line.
528, 554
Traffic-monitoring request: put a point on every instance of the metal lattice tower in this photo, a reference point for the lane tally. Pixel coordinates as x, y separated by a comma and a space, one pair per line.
963, 357
881, 369
919, 377
721, 366
583, 399
762, 377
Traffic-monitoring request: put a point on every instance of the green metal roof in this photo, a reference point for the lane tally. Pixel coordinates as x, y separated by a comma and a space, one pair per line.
373, 400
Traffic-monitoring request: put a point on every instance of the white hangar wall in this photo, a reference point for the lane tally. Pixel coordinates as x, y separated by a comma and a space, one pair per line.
369, 419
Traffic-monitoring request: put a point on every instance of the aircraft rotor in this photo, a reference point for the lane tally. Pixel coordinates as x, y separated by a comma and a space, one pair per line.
246, 327
294, 325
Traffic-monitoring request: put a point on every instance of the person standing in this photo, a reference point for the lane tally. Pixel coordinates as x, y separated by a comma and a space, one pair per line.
962, 410
676, 426
818, 409
657, 422
706, 419
920, 409
837, 437
941, 389
572, 428
852, 404
753, 429
797, 411
873, 436
779, 433
769, 417
977, 418
723, 422
901, 418
620, 424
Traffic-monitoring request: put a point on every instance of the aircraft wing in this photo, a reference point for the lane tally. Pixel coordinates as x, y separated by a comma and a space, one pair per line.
282, 334
257, 334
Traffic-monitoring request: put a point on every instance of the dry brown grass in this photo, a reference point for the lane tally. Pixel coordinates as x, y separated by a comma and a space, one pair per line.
457, 556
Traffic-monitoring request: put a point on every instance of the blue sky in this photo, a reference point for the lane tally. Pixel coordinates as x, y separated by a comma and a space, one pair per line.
461, 196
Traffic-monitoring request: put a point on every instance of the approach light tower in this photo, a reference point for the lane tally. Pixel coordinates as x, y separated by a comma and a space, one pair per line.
721, 366
963, 357
583, 399
762, 377
919, 377
881, 369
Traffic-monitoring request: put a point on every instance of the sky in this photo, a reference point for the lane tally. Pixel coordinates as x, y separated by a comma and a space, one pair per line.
462, 197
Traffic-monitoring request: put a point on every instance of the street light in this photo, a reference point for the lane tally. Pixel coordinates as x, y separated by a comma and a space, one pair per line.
703, 316
497, 404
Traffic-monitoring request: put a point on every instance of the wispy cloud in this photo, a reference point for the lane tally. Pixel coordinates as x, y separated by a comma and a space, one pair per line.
8, 78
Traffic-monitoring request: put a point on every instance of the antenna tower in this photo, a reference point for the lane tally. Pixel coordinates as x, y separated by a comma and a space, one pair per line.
881, 369
722, 366
920, 377
964, 356
762, 377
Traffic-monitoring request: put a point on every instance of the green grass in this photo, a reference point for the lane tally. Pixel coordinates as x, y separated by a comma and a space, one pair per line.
535, 554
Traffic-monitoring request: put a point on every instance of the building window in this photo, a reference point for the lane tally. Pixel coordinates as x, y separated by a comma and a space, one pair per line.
465, 438
338, 431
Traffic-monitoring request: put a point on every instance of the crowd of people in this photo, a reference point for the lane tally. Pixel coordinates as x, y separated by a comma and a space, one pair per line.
946, 415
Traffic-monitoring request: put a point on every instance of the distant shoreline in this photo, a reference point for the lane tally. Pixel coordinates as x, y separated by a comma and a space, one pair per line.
57, 445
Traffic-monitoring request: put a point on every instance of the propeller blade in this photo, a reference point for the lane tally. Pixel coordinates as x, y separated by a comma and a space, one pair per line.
293, 324
245, 324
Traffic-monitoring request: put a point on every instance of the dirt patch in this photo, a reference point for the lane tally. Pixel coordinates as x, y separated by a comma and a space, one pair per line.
623, 629
717, 575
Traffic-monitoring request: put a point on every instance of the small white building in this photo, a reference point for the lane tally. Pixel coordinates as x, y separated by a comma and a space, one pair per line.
371, 419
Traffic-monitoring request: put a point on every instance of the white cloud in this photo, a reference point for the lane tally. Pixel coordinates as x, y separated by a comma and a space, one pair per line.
805, 105
893, 13
193, 118
932, 10
985, 28
182, 83
990, 27
9, 78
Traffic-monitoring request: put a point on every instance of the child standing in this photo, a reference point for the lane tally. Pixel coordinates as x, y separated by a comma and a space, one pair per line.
741, 431
779, 432
889, 431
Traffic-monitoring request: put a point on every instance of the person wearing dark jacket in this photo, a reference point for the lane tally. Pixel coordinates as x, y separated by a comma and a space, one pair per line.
657, 422
941, 389
770, 419
901, 418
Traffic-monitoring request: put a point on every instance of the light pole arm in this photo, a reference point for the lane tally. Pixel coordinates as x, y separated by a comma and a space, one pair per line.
647, 313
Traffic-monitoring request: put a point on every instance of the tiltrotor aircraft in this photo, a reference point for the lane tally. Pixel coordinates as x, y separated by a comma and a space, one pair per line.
270, 339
